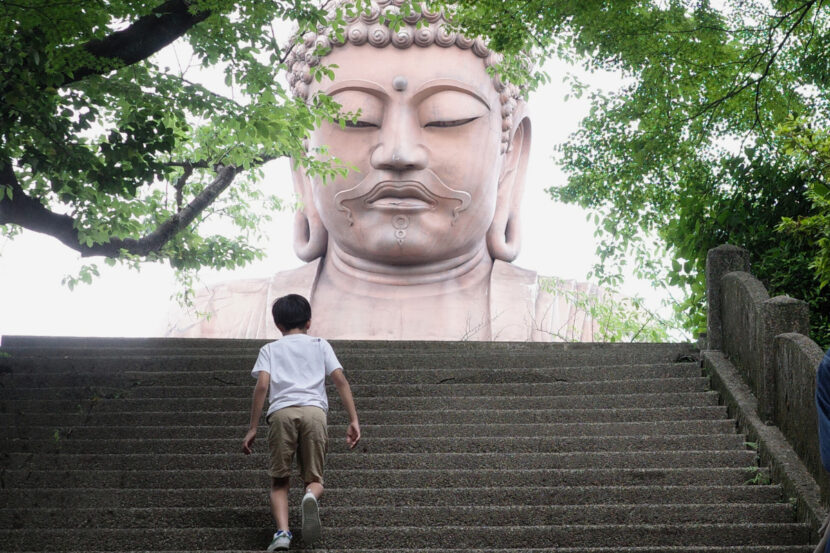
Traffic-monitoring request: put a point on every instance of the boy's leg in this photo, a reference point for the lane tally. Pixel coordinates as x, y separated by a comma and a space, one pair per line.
315, 488
312, 447
313, 444
283, 426
279, 502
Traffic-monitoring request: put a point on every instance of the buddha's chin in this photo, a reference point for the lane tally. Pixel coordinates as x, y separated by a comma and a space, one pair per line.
405, 239
412, 250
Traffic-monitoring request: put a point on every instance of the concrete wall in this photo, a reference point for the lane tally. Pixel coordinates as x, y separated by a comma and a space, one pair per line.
766, 340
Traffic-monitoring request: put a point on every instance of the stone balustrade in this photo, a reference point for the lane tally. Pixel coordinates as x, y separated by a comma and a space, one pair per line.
766, 339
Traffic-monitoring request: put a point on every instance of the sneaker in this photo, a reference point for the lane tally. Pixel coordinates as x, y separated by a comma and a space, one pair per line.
281, 541
311, 519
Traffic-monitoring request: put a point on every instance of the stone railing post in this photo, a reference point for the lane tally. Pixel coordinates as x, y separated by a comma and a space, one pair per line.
796, 358
778, 315
719, 261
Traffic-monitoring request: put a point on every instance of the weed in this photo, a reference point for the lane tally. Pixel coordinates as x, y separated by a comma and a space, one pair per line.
758, 477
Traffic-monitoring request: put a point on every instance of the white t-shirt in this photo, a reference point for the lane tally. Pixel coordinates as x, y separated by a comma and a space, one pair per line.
298, 365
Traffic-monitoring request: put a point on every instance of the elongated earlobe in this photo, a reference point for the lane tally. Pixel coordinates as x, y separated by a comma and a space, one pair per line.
504, 236
310, 235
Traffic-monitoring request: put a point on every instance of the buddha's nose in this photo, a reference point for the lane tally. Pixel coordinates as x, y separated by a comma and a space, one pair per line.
399, 148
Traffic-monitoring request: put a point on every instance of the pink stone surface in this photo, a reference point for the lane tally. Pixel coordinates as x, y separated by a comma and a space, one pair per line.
415, 242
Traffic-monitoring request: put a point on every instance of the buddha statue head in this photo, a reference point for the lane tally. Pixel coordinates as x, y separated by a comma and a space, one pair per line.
436, 153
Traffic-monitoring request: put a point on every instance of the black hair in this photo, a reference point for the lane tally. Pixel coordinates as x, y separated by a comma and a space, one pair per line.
291, 311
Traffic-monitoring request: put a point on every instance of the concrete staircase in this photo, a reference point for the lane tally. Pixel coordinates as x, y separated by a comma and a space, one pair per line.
134, 445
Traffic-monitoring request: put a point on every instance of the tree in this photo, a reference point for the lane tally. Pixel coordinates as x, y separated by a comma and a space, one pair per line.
811, 149
117, 156
695, 149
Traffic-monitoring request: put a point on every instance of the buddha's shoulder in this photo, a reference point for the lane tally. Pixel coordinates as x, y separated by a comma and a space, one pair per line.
239, 308
554, 309
236, 289
544, 286
296, 280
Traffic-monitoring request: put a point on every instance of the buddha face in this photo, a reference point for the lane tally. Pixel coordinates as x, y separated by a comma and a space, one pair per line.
424, 153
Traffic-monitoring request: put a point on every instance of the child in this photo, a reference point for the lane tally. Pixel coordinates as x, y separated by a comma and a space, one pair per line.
292, 372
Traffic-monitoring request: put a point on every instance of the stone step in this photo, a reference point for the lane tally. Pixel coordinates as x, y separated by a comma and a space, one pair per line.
415, 443
613, 549
465, 437
639, 386
374, 390
435, 403
358, 460
100, 417
376, 478
187, 444
450, 537
616, 549
257, 497
243, 376
98, 343
357, 361
391, 516
76, 346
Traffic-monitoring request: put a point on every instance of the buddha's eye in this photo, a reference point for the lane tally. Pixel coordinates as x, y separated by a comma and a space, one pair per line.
451, 123
358, 110
350, 124
445, 109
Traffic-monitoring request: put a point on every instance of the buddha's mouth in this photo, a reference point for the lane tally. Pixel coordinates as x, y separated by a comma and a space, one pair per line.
400, 196
386, 190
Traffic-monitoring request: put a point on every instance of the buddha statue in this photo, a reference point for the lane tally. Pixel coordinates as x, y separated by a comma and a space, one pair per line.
416, 241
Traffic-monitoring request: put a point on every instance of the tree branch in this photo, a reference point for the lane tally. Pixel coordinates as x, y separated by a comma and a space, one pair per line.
772, 50
182, 180
29, 213
154, 241
193, 164
145, 37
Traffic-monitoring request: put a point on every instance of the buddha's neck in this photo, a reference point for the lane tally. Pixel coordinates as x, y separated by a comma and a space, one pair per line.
466, 270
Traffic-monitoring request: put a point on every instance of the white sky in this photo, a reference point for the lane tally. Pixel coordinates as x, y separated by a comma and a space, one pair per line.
557, 241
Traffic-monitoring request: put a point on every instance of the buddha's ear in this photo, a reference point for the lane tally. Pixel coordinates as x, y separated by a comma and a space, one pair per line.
310, 236
504, 235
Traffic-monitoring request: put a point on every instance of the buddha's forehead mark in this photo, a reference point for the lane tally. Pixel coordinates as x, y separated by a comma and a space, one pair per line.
400, 83
438, 85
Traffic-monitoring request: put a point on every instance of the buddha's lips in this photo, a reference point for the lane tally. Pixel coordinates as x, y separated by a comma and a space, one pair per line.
400, 196
414, 191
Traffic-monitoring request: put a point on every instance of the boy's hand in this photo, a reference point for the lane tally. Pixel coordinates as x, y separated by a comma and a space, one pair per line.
345, 391
249, 441
353, 434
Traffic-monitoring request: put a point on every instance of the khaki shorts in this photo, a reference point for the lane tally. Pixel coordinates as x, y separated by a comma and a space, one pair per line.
301, 430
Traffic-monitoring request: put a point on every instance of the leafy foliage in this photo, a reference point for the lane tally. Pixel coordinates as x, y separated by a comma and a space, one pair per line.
115, 154
618, 319
694, 149
811, 149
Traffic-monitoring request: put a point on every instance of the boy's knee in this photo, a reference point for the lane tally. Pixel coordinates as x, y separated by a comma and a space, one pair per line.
279, 483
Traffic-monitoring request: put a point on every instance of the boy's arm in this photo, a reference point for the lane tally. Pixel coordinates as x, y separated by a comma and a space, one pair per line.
260, 391
345, 391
